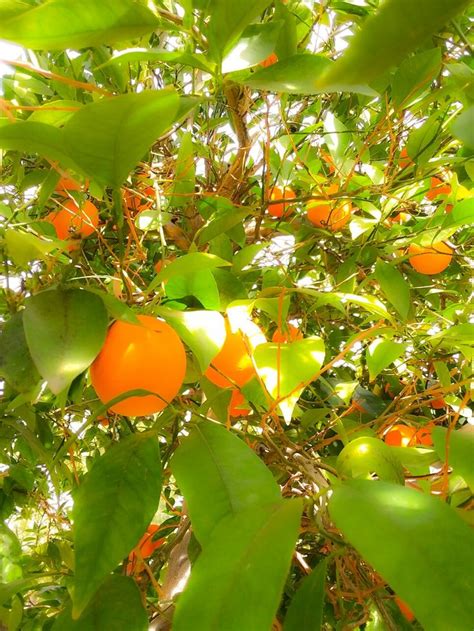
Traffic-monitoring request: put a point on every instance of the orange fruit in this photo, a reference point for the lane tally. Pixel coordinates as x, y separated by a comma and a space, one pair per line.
423, 436
430, 260
438, 404
281, 209
449, 208
137, 202
72, 219
149, 356
330, 215
438, 187
404, 159
235, 405
147, 545
233, 364
329, 161
292, 334
400, 436
104, 421
405, 609
269, 61
400, 218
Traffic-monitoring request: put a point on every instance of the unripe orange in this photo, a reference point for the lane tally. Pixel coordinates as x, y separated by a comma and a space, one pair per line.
148, 356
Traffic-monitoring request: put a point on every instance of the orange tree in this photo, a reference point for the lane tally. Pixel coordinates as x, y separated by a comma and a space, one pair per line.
236, 348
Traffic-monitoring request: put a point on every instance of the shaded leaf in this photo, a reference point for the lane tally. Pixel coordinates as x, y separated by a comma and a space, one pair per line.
65, 330
112, 508
463, 127
109, 137
237, 581
117, 605
200, 284
414, 75
219, 475
16, 364
61, 24
418, 544
307, 605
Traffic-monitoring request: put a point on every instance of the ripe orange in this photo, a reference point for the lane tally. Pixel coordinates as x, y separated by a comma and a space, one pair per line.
404, 159
147, 545
330, 214
430, 260
72, 220
281, 209
438, 404
235, 405
233, 364
292, 334
400, 436
405, 609
449, 208
149, 356
269, 61
137, 202
438, 187
329, 161
400, 218
423, 436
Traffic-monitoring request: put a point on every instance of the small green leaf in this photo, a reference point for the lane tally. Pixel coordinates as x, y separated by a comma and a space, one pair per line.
109, 137
117, 605
307, 605
394, 286
418, 544
112, 508
65, 330
286, 369
463, 127
60, 24
220, 475
397, 28
237, 581
203, 331
185, 173
16, 364
460, 454
189, 263
423, 142
365, 456
24, 247
414, 75
381, 353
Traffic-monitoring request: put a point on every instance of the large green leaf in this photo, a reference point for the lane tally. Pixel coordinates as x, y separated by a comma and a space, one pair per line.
61, 24
397, 28
237, 581
364, 456
109, 137
418, 544
188, 264
117, 605
256, 44
65, 330
394, 286
460, 454
286, 369
203, 331
16, 365
220, 475
200, 284
112, 508
307, 605
381, 353
227, 22
414, 75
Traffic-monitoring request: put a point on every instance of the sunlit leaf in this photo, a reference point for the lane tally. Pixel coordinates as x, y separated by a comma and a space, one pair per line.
381, 353
460, 450
364, 456
394, 286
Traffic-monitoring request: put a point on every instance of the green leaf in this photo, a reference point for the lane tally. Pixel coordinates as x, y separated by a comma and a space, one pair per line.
294, 75
24, 247
117, 309
16, 364
65, 330
463, 127
381, 353
227, 22
112, 508
396, 29
219, 475
258, 41
423, 142
56, 117
237, 581
414, 75
307, 605
200, 284
195, 60
61, 24
418, 544
109, 137
185, 173
31, 137
286, 369
460, 451
117, 605
365, 455
203, 331
221, 222
394, 286
189, 263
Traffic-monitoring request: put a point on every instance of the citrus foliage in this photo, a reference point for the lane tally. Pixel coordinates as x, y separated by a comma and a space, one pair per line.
236, 348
